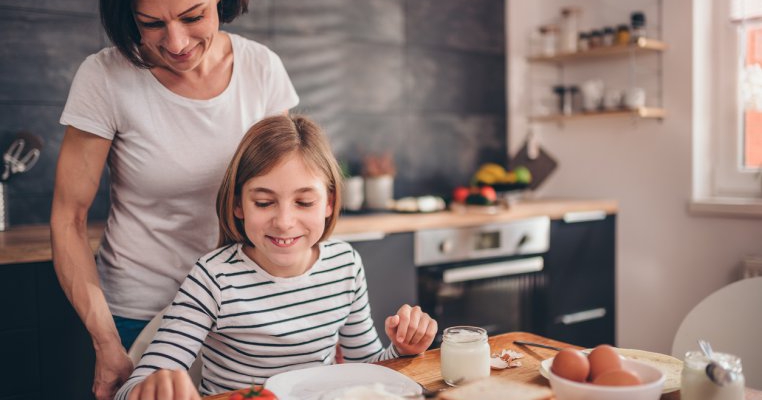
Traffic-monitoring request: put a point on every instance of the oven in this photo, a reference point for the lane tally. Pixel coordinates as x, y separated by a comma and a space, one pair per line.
488, 275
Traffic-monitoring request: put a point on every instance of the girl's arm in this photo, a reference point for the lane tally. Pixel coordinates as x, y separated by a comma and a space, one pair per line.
162, 371
80, 165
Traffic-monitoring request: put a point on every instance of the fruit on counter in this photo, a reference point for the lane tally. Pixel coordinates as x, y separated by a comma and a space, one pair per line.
490, 174
478, 199
253, 393
494, 174
460, 193
523, 175
489, 193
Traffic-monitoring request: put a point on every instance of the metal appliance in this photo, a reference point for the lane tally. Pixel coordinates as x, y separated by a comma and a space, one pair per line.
489, 275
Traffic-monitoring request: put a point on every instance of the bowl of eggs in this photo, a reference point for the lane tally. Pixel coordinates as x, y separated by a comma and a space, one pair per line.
603, 375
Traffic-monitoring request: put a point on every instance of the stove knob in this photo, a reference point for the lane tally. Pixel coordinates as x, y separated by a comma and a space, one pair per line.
445, 246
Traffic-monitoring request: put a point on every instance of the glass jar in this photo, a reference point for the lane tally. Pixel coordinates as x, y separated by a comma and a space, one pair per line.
596, 38
464, 354
622, 35
583, 43
638, 23
607, 39
549, 38
569, 30
695, 384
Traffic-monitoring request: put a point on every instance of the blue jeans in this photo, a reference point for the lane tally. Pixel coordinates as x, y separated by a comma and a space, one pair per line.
129, 329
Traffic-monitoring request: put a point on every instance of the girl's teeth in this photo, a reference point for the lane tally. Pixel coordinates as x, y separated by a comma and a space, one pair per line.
284, 241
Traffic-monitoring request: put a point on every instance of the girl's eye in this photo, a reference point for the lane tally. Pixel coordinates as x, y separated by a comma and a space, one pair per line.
305, 203
152, 25
263, 204
191, 20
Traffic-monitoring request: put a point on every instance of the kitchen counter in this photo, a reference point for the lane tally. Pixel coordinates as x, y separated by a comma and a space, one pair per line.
31, 243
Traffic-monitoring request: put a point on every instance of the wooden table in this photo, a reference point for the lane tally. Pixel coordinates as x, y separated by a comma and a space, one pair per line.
424, 369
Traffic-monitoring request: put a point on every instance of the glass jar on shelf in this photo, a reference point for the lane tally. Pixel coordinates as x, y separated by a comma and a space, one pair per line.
583, 42
549, 40
569, 30
638, 24
607, 39
622, 34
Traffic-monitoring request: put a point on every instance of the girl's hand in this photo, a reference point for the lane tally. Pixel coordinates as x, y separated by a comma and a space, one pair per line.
166, 384
411, 330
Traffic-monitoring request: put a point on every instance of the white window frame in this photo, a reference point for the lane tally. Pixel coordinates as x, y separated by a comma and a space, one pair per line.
720, 185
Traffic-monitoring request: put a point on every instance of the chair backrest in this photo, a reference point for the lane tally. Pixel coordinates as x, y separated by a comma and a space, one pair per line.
731, 320
144, 339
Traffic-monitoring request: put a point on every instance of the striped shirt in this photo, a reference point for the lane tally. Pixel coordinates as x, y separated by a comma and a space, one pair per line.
248, 325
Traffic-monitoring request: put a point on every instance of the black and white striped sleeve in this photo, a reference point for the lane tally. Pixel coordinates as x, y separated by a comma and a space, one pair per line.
184, 327
358, 337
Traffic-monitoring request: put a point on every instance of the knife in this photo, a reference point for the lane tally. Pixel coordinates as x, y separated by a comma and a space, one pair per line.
533, 344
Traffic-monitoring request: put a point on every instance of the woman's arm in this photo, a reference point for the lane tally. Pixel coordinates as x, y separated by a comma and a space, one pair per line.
80, 165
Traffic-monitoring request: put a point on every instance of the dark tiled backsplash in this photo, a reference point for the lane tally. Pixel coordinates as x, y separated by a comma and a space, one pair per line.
422, 79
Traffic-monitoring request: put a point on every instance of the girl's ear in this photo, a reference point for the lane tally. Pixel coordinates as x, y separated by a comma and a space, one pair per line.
237, 210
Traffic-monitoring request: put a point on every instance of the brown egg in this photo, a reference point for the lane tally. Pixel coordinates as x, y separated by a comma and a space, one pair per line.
603, 358
571, 364
617, 377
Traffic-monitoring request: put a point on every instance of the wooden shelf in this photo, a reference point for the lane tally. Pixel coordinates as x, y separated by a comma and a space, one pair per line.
642, 45
643, 112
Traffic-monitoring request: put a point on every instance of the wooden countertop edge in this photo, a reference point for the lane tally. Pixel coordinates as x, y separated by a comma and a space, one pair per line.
31, 243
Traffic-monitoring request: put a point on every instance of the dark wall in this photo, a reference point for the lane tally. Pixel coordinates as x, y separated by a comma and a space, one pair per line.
422, 79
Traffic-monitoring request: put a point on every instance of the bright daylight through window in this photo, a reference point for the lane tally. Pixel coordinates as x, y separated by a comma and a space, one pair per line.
727, 107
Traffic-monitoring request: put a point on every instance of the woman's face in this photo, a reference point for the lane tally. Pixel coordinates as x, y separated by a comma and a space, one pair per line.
284, 214
177, 34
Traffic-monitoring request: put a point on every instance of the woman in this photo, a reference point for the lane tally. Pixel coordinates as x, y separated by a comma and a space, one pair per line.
166, 107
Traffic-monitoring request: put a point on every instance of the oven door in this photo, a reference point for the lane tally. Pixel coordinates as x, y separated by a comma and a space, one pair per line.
500, 296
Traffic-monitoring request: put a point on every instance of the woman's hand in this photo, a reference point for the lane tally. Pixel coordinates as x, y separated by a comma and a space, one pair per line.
112, 368
411, 330
166, 384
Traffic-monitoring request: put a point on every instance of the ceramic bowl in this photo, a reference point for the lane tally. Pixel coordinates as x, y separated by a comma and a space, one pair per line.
650, 389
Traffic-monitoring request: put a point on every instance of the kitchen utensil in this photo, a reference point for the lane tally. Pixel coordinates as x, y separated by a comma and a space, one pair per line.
3, 207
21, 155
533, 344
716, 372
536, 159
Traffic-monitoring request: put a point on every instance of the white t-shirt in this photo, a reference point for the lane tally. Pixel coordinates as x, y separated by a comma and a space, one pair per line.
167, 159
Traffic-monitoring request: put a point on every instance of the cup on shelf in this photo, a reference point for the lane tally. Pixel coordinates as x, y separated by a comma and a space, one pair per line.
634, 97
353, 193
612, 100
592, 94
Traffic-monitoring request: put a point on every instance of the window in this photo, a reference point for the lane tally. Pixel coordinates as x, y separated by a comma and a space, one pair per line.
727, 103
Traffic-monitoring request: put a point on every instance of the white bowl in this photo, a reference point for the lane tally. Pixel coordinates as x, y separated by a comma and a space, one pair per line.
650, 389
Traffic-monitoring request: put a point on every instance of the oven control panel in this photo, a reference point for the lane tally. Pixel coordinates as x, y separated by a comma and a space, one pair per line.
439, 246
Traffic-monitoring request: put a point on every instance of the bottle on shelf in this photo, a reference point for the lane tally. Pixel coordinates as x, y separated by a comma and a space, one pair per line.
569, 30
638, 24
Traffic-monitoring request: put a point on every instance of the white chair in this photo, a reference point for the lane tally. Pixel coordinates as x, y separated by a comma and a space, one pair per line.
731, 320
145, 337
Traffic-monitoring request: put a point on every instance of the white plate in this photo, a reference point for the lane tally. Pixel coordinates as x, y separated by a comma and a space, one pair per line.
669, 365
323, 382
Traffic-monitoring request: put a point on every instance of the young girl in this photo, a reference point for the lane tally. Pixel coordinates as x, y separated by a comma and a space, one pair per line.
278, 294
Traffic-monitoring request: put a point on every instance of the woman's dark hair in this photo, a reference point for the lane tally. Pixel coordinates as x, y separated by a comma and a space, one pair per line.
118, 20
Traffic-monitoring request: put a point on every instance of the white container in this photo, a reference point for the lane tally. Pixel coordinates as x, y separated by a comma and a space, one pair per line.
569, 35
379, 191
353, 193
464, 354
650, 389
695, 384
634, 97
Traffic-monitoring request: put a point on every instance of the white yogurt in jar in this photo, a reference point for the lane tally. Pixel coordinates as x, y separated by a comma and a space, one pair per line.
696, 385
464, 354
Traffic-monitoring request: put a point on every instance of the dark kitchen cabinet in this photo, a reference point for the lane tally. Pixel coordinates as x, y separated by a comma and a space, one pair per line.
45, 348
580, 268
389, 271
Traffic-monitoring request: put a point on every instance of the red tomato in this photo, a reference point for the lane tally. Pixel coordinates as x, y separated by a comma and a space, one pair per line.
236, 396
460, 193
489, 193
259, 393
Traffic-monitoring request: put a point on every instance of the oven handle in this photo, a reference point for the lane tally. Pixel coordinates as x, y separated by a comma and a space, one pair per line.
582, 316
493, 270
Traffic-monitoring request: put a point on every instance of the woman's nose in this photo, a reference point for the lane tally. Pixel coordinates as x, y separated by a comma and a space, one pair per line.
177, 38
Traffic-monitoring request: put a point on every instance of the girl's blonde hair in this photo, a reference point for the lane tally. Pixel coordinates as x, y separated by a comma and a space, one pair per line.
265, 145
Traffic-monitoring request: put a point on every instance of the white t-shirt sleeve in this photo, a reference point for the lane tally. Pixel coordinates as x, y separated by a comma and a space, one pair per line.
280, 93
89, 106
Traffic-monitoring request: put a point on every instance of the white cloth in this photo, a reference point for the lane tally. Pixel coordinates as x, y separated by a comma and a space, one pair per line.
249, 325
167, 159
